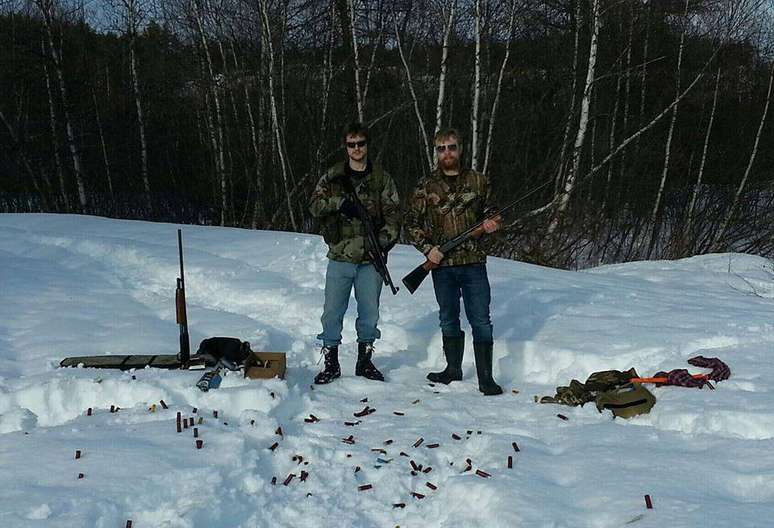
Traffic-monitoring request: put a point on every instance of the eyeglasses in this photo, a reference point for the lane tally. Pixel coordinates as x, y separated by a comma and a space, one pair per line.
354, 144
443, 148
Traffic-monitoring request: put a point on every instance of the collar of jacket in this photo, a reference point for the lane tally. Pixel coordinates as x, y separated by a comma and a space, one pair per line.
363, 174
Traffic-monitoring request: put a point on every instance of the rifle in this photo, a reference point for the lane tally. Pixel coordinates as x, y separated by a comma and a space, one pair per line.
372, 240
413, 280
180, 310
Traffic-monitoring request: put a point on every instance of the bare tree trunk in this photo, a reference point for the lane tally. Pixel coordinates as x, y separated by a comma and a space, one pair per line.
627, 90
18, 148
490, 133
447, 29
105, 158
571, 112
476, 87
655, 220
611, 136
356, 56
643, 73
420, 121
695, 193
140, 119
373, 53
55, 139
274, 114
220, 163
327, 78
635, 136
47, 10
569, 185
717, 244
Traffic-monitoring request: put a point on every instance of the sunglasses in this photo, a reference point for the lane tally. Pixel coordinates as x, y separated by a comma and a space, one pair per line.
354, 144
443, 148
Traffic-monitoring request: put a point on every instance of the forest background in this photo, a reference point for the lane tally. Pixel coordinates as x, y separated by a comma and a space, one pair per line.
629, 129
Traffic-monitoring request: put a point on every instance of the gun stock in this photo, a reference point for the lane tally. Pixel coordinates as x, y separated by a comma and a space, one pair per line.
413, 280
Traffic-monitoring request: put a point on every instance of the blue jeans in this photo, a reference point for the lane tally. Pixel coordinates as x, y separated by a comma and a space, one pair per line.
469, 281
339, 279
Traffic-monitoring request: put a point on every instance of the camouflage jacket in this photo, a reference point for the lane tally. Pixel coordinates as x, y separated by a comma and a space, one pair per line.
442, 207
346, 237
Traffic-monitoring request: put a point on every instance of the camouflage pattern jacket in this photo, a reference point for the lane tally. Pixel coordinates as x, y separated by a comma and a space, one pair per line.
442, 207
346, 237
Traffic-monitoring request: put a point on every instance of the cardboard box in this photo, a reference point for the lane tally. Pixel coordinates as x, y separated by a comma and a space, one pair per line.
265, 365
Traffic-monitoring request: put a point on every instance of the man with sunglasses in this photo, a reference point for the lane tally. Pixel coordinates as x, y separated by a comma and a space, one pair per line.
444, 204
334, 204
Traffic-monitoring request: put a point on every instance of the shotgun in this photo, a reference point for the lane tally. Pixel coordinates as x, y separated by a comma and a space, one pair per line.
413, 280
180, 310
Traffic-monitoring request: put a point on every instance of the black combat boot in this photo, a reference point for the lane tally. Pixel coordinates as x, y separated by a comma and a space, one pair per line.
453, 348
364, 367
332, 368
486, 384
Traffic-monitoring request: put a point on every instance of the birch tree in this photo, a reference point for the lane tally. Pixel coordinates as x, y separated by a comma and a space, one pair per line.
569, 184
103, 145
495, 102
266, 32
448, 25
692, 205
417, 112
356, 58
476, 84
655, 220
718, 240
48, 9
54, 131
571, 111
216, 125
131, 14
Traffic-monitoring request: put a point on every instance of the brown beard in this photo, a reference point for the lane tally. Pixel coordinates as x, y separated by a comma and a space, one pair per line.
450, 164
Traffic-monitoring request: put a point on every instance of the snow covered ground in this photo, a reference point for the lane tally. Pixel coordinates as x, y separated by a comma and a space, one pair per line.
74, 285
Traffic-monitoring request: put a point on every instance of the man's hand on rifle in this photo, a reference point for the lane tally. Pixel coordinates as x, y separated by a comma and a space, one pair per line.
488, 226
493, 224
349, 209
434, 256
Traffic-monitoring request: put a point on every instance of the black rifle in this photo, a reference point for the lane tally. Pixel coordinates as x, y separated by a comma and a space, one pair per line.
413, 280
374, 250
180, 309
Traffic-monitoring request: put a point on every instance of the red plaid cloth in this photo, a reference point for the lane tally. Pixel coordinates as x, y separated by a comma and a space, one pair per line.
683, 378
680, 378
720, 370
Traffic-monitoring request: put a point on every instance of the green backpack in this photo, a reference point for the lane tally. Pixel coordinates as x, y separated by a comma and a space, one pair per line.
626, 401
